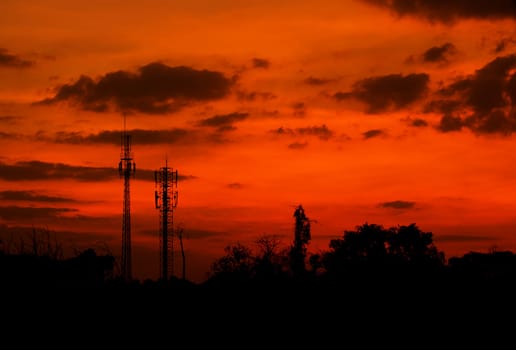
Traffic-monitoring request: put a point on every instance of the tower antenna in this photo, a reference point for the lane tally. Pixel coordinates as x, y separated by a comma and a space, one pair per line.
165, 197
126, 169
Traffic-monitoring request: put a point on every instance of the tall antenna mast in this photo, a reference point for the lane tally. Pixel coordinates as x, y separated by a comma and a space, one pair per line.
165, 197
126, 169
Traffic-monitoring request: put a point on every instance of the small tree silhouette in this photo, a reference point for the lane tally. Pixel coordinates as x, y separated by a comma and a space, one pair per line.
237, 265
270, 259
302, 237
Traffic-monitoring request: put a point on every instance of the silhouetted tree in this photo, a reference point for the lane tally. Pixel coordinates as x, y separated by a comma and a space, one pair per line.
39, 242
360, 254
302, 237
411, 245
366, 244
373, 251
237, 265
489, 267
270, 260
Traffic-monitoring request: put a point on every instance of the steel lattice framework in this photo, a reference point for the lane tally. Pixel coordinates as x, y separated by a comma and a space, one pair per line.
126, 169
166, 201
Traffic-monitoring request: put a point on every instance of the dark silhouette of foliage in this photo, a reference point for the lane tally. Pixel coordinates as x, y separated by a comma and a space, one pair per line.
236, 265
270, 261
36, 259
485, 267
371, 251
398, 261
302, 237
87, 269
411, 245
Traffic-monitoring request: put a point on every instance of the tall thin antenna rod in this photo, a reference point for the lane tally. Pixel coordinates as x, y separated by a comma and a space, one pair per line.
165, 197
126, 169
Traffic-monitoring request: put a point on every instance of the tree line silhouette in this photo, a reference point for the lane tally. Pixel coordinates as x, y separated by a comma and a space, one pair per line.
370, 256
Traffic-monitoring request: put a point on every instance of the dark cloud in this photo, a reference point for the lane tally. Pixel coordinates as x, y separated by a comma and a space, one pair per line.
148, 175
322, 131
491, 123
9, 119
138, 136
235, 186
37, 170
299, 109
261, 63
482, 102
9, 60
488, 85
503, 44
254, 95
415, 122
223, 122
398, 204
316, 81
11, 213
389, 92
283, 131
31, 196
372, 133
154, 89
442, 106
450, 123
439, 53
6, 135
418, 123
447, 11
298, 145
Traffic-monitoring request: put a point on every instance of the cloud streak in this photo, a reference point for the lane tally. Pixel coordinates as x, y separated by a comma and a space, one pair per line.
223, 122
322, 132
138, 136
11, 213
9, 60
42, 171
398, 204
31, 196
369, 134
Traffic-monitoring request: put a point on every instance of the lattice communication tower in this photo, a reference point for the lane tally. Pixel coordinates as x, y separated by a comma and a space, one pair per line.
165, 197
126, 169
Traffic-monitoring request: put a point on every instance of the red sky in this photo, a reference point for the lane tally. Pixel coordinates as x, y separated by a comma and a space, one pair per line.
378, 111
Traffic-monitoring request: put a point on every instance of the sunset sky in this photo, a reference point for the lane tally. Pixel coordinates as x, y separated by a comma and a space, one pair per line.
381, 111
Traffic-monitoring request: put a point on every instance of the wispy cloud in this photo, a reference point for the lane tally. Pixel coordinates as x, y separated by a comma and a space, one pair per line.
223, 122
10, 60
398, 204
43, 171
32, 196
320, 131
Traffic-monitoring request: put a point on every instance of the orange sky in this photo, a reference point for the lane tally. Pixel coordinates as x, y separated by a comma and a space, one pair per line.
360, 110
